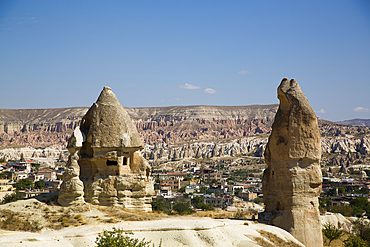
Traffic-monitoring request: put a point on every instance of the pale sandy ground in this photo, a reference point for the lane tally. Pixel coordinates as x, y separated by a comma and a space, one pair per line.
178, 231
173, 231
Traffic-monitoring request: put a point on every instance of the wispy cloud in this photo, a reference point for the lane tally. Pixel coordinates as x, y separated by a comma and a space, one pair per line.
244, 72
321, 111
210, 91
189, 86
361, 109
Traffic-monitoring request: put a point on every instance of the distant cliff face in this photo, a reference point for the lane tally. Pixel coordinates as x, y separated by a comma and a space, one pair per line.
175, 124
53, 127
356, 122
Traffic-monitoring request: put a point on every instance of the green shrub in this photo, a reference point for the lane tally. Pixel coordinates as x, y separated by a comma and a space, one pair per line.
361, 229
239, 215
354, 241
119, 238
15, 222
331, 232
12, 197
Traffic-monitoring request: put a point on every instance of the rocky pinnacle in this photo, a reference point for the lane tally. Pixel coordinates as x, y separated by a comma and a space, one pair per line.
292, 180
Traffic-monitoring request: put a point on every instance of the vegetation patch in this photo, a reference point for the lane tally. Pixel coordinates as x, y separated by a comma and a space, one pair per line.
12, 221
120, 238
269, 239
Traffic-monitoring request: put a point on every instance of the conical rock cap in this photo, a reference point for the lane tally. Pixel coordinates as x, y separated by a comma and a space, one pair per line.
108, 125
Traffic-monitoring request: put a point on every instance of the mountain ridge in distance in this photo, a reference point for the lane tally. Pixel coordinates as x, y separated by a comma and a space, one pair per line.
356, 122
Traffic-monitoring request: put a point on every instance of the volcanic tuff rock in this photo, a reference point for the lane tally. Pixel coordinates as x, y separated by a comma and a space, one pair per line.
72, 189
356, 122
292, 180
53, 127
105, 153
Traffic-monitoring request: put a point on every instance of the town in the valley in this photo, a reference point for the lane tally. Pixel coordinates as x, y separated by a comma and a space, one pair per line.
225, 175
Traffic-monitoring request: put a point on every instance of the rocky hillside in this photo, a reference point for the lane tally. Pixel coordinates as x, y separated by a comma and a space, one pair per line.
52, 127
177, 131
356, 122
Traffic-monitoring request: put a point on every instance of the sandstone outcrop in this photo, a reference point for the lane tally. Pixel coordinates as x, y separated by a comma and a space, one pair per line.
107, 147
53, 127
72, 190
292, 180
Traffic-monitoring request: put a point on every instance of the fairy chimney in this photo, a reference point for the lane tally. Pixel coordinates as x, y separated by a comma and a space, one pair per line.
292, 181
107, 146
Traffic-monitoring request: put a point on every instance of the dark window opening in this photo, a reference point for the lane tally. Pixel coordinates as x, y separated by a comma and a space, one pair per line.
124, 161
278, 207
112, 163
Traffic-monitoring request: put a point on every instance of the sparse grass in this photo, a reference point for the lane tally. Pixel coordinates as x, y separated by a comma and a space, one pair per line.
119, 214
269, 239
221, 214
32, 240
16, 222
240, 215
337, 242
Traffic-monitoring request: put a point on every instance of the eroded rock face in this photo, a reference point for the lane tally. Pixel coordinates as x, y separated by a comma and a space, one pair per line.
292, 180
72, 189
108, 147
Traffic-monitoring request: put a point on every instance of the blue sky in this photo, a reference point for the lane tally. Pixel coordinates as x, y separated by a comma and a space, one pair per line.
163, 53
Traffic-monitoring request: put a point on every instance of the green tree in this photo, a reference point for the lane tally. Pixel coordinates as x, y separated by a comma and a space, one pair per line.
5, 175
257, 200
161, 205
237, 190
214, 181
39, 185
205, 207
182, 189
22, 184
344, 210
196, 201
203, 190
158, 180
182, 206
331, 232
342, 190
361, 205
187, 179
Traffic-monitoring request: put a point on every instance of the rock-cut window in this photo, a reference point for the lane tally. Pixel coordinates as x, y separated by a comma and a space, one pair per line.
112, 163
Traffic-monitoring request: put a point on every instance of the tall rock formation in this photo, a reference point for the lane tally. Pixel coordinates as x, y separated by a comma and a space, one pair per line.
107, 147
292, 180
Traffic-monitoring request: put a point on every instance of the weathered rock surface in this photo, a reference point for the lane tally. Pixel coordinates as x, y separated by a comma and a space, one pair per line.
107, 147
170, 232
292, 180
53, 127
337, 220
72, 190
